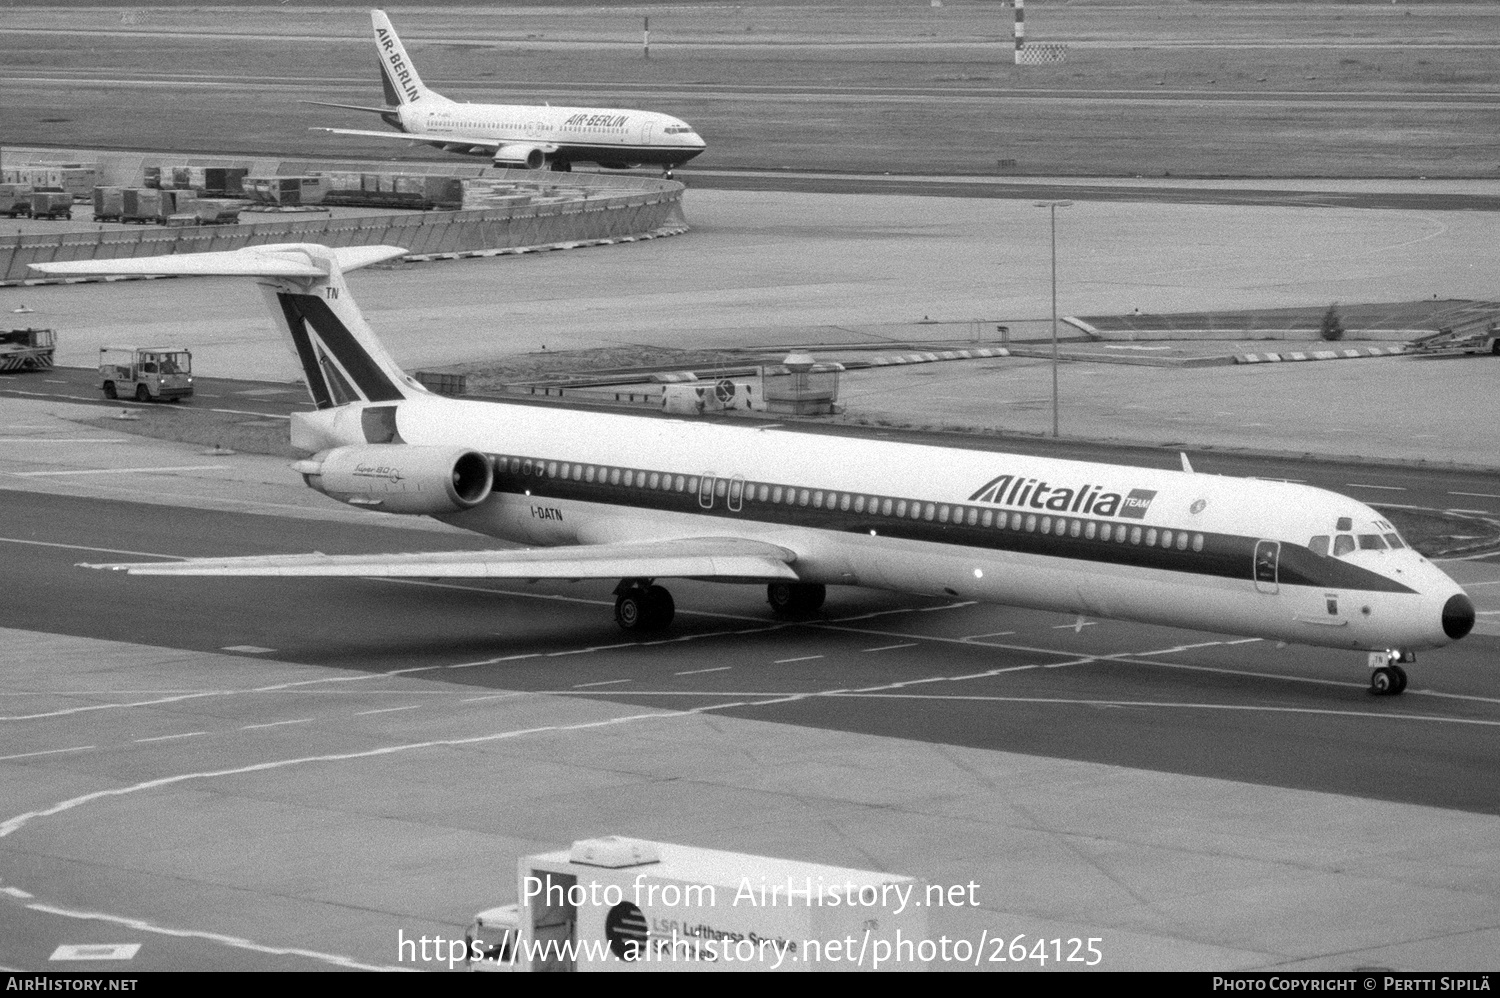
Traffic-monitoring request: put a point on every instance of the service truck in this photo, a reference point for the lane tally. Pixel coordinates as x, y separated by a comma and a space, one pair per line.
26, 349
631, 906
15, 200
146, 374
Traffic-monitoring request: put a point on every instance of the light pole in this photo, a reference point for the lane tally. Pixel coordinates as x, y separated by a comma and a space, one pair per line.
1053, 206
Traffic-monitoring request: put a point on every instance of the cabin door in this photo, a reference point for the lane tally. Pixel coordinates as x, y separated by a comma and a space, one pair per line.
1267, 559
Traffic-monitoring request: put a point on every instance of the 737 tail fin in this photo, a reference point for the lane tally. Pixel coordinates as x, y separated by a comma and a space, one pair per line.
397, 74
341, 359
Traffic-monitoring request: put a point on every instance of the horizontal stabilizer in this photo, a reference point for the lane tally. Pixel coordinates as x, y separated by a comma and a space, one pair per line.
278, 260
353, 107
690, 558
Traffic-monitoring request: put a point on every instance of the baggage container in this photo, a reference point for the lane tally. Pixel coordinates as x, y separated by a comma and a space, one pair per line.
51, 204
15, 199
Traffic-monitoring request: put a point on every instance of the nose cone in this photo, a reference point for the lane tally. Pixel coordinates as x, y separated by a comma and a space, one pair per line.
1458, 616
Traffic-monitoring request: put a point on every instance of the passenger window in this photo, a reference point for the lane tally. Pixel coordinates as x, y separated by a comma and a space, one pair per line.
916, 511
1319, 545
802, 497
628, 478
1197, 542
1342, 545
1075, 528
1135, 535
1166, 538
844, 502
1062, 526
973, 516
614, 476
563, 469
885, 508
588, 474
988, 518
1151, 538
1371, 542
817, 500
1015, 521
943, 514
526, 468
776, 494
1090, 529
1105, 530
577, 472
515, 465
552, 469
679, 483
859, 504
692, 483
720, 487
1030, 523
1394, 540
928, 513
1046, 525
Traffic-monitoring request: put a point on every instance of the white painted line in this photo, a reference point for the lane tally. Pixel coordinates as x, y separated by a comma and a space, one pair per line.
1384, 488
167, 738
603, 682
276, 724
213, 937
387, 710
95, 951
494, 696
697, 672
948, 606
1074, 626
83, 547
16, 892
1481, 512
1476, 495
494, 661
906, 644
55, 751
804, 658
124, 471
585, 651
62, 440
248, 649
992, 634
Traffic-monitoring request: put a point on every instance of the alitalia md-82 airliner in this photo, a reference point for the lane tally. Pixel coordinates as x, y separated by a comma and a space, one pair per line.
640, 498
517, 135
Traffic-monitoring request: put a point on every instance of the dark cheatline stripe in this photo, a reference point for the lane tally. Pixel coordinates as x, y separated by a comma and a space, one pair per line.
1227, 556
369, 380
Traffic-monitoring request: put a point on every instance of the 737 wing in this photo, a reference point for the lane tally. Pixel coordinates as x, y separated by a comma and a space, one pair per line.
722, 558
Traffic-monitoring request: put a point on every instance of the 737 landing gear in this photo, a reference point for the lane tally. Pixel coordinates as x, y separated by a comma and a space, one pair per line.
795, 599
641, 606
1388, 678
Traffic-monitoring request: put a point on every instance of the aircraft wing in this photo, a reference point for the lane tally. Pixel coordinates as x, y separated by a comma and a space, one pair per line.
434, 140
685, 558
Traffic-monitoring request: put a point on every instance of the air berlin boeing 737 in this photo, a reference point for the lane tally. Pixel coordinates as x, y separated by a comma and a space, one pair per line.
517, 135
640, 498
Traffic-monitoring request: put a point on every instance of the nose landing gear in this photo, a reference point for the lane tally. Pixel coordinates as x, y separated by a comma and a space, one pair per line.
1388, 678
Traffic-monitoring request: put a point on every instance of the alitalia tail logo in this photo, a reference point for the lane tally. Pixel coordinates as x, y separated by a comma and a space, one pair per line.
1090, 500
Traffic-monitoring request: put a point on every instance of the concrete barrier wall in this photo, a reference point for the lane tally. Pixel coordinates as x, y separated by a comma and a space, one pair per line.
579, 208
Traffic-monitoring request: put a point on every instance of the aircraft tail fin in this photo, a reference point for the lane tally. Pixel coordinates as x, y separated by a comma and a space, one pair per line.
398, 76
341, 359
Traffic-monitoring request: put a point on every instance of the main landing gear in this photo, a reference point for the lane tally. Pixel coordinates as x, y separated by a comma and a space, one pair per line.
795, 599
641, 606
1388, 678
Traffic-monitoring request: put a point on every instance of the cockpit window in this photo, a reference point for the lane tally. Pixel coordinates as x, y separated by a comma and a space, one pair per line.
1345, 523
1319, 545
1342, 545
1394, 540
1371, 542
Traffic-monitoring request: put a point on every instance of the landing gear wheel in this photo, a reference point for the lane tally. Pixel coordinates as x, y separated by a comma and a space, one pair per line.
644, 608
109, 390
1387, 681
142, 393
795, 599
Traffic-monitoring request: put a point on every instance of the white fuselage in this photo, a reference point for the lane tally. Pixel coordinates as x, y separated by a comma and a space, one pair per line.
1214, 553
599, 135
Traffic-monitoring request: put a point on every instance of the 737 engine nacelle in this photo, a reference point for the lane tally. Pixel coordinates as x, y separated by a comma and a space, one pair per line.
529, 157
401, 478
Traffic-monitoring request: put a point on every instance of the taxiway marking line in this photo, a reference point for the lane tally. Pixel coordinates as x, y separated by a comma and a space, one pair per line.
167, 738
63, 440
55, 751
386, 710
122, 471
276, 724
804, 658
698, 672
1383, 488
496, 696
602, 682
906, 644
1476, 495
83, 547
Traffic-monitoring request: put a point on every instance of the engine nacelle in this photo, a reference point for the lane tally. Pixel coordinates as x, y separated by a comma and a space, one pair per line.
402, 478
528, 157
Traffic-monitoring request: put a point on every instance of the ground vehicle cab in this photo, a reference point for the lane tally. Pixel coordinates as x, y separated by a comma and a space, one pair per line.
146, 374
